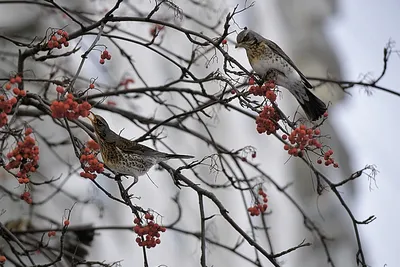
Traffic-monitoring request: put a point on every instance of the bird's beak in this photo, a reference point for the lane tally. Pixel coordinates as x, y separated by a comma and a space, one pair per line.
91, 119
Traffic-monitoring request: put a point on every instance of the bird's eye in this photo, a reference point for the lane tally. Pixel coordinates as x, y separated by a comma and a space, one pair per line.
99, 122
245, 38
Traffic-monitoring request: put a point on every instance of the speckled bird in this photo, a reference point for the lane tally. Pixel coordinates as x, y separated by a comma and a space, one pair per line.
270, 62
124, 156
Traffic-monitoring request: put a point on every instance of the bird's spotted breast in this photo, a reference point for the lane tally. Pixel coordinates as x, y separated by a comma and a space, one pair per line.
262, 59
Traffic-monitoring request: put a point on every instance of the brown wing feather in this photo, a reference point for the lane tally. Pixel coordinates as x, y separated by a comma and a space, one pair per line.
132, 147
280, 52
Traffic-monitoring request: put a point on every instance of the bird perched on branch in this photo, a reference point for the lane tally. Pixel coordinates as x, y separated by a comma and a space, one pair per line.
126, 157
270, 62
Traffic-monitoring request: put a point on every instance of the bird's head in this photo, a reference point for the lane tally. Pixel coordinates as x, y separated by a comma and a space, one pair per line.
100, 125
246, 38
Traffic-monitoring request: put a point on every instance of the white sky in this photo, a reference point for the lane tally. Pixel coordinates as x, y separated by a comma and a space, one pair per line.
369, 124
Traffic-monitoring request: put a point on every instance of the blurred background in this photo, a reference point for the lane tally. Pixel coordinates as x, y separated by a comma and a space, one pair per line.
338, 39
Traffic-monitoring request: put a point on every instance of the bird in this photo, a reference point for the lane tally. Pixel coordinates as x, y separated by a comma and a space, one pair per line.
270, 62
123, 156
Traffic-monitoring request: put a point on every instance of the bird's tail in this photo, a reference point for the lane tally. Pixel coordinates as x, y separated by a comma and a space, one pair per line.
177, 156
314, 107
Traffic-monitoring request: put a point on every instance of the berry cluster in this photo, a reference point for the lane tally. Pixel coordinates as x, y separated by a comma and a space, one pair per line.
328, 159
69, 108
155, 30
149, 234
25, 157
267, 120
5, 108
300, 139
126, 82
14, 81
58, 39
89, 160
26, 196
104, 55
265, 90
51, 233
259, 208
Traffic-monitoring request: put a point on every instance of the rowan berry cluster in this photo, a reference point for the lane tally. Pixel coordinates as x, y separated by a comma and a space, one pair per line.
13, 84
58, 39
126, 82
300, 139
69, 108
5, 108
328, 159
104, 55
26, 196
267, 120
259, 208
265, 90
51, 233
89, 160
155, 30
25, 157
149, 233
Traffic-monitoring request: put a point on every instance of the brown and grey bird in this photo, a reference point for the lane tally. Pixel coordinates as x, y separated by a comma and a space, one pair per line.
124, 156
270, 62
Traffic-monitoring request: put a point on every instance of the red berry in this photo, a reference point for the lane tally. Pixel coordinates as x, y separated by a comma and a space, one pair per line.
91, 86
326, 114
286, 147
66, 222
16, 91
102, 61
251, 81
28, 131
319, 161
224, 42
2, 259
60, 89
335, 165
18, 79
12, 80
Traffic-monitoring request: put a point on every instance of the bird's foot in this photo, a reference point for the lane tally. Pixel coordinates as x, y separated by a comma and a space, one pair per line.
136, 179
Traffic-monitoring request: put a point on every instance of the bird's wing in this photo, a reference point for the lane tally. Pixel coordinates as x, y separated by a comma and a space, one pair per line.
132, 147
281, 53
